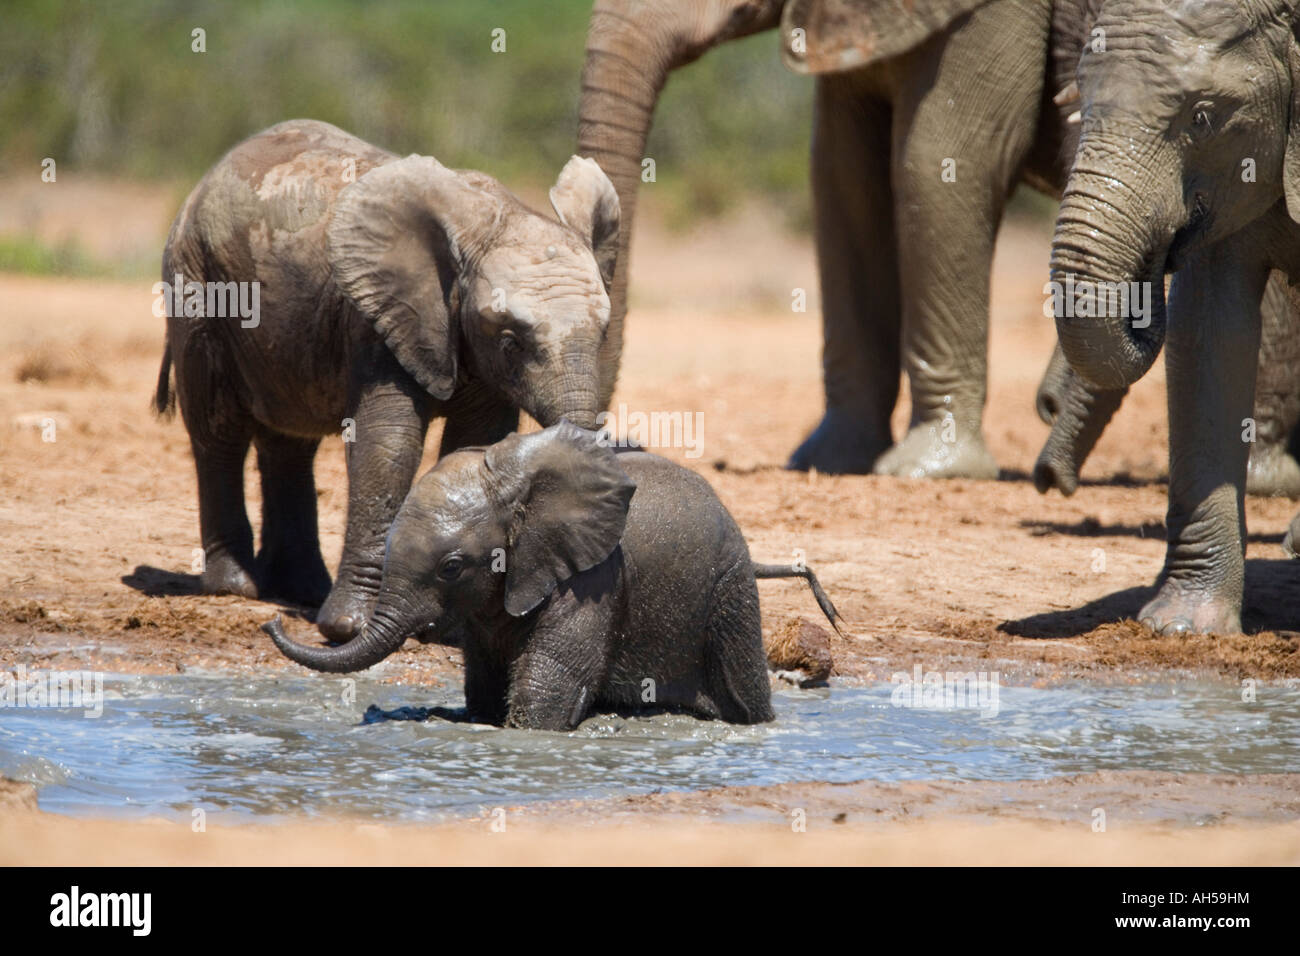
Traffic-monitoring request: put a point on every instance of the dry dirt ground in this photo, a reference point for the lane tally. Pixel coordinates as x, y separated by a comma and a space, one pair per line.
910, 824
99, 525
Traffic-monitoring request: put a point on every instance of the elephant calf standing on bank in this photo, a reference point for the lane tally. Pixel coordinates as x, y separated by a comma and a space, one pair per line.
391, 291
575, 593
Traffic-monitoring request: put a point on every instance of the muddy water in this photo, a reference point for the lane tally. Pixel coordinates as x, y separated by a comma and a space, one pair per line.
249, 748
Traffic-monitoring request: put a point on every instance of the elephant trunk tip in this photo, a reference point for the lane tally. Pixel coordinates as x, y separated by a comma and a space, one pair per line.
585, 420
1049, 474
274, 628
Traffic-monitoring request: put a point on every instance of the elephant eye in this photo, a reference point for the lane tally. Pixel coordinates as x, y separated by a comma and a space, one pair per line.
450, 567
509, 344
1202, 120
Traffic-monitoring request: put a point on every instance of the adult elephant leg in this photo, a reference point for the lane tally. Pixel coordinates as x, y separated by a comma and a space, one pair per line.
858, 266
1273, 470
391, 414
1211, 351
289, 564
1291, 540
477, 415
962, 129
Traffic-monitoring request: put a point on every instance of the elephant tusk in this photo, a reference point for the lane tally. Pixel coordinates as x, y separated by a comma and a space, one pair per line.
1075, 118
1069, 94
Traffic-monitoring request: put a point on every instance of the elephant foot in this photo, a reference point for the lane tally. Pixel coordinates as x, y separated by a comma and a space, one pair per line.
1180, 610
301, 579
345, 611
1272, 473
222, 574
1291, 543
841, 444
938, 449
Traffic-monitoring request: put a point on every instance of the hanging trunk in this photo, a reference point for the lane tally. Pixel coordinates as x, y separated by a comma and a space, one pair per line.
632, 45
1082, 416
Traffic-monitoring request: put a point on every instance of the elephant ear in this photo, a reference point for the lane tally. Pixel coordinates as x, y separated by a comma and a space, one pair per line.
827, 36
569, 498
586, 202
397, 241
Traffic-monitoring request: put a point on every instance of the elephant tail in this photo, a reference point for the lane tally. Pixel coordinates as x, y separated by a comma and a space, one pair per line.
793, 571
164, 399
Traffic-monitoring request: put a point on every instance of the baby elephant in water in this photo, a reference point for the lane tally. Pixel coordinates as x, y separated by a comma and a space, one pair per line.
586, 579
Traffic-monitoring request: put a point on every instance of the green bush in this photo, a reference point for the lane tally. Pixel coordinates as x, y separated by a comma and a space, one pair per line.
115, 88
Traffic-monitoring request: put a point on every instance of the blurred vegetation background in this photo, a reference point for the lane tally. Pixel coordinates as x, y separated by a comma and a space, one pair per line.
113, 88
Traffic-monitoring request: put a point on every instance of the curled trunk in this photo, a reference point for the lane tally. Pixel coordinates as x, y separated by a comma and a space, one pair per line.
1051, 397
382, 635
1110, 244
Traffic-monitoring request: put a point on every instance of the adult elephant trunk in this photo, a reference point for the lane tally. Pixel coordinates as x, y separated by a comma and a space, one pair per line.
1112, 238
632, 46
383, 634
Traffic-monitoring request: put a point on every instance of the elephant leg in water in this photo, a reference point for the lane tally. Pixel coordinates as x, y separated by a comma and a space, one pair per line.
1079, 412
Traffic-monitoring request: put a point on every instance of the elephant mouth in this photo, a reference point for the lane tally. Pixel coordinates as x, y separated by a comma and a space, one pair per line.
1191, 236
437, 632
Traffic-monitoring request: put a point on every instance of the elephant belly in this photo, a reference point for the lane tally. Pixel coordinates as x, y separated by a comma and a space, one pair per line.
287, 373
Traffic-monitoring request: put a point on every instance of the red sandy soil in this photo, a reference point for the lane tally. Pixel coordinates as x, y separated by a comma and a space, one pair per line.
100, 524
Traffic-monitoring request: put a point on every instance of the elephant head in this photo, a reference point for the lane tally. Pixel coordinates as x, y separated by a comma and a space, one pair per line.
486, 536
632, 46
451, 268
1187, 134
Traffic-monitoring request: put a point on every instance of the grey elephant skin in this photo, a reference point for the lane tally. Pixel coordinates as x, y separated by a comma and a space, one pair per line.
392, 291
926, 116
1188, 162
582, 578
1078, 412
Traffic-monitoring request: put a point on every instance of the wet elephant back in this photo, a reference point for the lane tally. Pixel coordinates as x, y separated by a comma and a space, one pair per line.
262, 213
679, 541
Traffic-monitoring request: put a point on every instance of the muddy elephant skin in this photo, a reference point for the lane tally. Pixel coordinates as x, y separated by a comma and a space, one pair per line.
582, 578
391, 291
